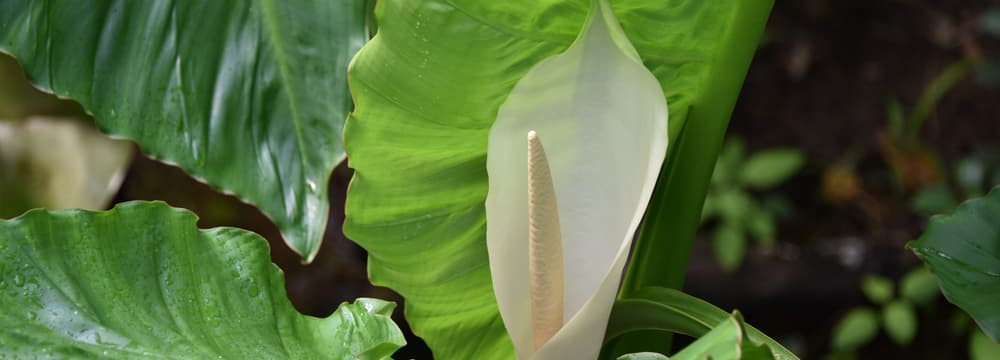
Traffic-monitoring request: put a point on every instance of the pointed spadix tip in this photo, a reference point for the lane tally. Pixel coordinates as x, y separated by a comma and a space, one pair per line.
532, 136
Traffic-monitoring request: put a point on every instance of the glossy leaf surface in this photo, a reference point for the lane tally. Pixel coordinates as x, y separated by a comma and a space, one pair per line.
669, 310
249, 96
428, 88
141, 281
726, 341
963, 250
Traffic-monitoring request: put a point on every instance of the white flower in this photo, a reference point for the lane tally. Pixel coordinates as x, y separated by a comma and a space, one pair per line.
602, 120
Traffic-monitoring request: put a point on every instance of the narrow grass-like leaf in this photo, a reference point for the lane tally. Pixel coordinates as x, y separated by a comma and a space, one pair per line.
669, 310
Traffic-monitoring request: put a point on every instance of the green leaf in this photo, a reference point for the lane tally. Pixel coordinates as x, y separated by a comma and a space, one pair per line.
663, 247
963, 250
935, 199
725, 342
142, 281
896, 118
729, 244
427, 90
856, 328
58, 164
900, 322
762, 226
934, 91
981, 348
729, 163
249, 96
878, 289
733, 205
919, 286
643, 356
767, 169
669, 310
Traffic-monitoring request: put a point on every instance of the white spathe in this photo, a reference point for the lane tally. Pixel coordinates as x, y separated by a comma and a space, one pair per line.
602, 118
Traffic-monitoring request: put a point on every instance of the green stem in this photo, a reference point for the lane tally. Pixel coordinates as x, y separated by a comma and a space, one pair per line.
663, 247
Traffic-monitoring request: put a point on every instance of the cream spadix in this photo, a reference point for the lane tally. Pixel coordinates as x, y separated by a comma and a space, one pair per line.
603, 119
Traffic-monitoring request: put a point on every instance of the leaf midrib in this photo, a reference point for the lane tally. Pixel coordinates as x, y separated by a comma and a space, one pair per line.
272, 24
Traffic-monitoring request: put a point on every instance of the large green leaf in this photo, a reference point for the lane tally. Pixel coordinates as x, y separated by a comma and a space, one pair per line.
142, 281
963, 250
249, 96
427, 90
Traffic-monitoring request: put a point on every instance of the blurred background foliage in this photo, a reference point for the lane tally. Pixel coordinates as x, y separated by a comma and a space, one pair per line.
858, 120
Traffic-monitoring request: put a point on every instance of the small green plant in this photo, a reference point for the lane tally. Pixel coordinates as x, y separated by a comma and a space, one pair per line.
896, 308
894, 311
915, 165
731, 200
972, 176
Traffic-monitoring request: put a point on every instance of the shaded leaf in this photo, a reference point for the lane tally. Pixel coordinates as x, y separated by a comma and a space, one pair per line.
252, 101
858, 327
142, 281
919, 286
900, 322
981, 348
878, 289
767, 169
762, 226
963, 250
727, 166
896, 119
729, 244
933, 200
733, 205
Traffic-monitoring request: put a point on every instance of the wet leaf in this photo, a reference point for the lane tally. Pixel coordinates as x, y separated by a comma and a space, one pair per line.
142, 281
248, 96
963, 251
